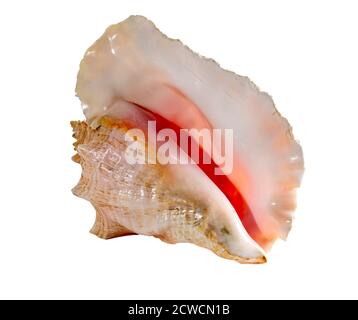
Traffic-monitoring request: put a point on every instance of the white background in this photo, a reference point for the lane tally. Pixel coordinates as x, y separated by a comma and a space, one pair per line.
304, 53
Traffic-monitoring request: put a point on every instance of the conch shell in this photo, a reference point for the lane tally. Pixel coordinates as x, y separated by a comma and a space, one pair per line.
134, 74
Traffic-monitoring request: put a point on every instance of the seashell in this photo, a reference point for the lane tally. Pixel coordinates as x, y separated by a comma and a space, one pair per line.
132, 75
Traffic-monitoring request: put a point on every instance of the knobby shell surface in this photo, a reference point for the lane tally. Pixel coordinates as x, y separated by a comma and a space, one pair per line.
145, 198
